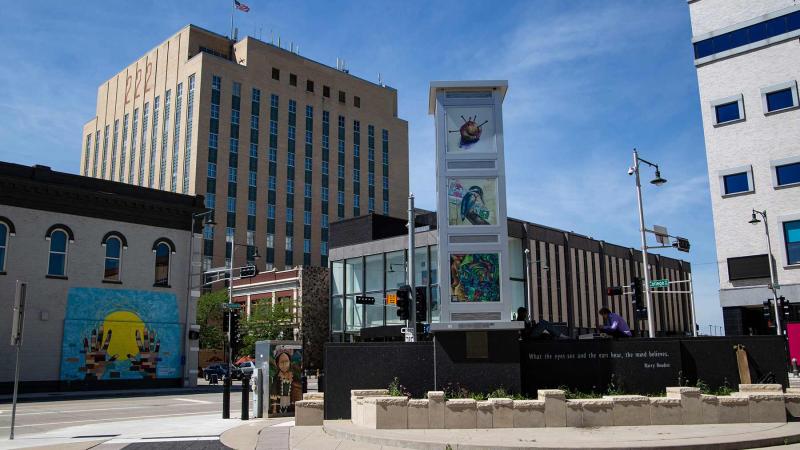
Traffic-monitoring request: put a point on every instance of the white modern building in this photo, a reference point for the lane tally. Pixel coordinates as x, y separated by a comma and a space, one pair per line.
747, 55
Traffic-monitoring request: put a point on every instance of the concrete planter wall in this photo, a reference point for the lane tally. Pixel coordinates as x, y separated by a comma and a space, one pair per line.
681, 405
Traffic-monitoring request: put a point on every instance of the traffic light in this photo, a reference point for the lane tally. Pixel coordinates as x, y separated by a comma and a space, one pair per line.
766, 309
637, 295
420, 304
248, 272
681, 244
614, 290
236, 335
403, 302
785, 309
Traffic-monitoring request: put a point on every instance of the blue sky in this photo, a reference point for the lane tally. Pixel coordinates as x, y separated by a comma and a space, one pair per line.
588, 81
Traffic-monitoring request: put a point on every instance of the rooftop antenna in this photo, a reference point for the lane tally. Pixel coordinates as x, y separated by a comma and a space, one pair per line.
271, 37
380, 80
236, 34
279, 41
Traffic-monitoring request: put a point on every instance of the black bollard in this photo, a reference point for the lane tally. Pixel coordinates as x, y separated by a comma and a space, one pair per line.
226, 398
245, 397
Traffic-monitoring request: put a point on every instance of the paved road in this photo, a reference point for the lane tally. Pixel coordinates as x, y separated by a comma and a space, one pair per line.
44, 416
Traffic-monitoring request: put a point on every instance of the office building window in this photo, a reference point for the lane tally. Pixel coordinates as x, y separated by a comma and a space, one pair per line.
324, 192
325, 167
292, 79
386, 207
325, 141
309, 137
276, 74
273, 155
251, 178
290, 186
208, 233
187, 141
779, 97
385, 182
728, 110
342, 97
340, 171
270, 240
290, 160
273, 127
270, 211
237, 89
788, 174
326, 91
309, 86
164, 138
357, 101
323, 248
213, 140
307, 190
306, 245
306, 217
736, 183
232, 174
292, 132
211, 200
216, 83
324, 221
791, 234
214, 111
356, 150
254, 122
234, 144
59, 247
292, 107
253, 150
231, 204
288, 245
341, 146
251, 208
256, 95
356, 175
176, 136
272, 182
290, 214
340, 198
371, 179
356, 201
308, 162
212, 170
371, 204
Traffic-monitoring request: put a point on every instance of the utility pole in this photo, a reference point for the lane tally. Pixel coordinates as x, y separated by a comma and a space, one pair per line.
411, 323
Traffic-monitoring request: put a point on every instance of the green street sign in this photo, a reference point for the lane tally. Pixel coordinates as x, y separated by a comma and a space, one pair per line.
233, 305
659, 283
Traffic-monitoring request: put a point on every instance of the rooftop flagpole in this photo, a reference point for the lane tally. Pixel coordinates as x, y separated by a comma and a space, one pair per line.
233, 11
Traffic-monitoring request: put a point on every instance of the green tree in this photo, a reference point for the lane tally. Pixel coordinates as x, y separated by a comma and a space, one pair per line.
209, 317
266, 321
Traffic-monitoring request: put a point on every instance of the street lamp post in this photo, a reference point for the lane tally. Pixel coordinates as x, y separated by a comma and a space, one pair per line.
528, 265
772, 276
209, 221
658, 181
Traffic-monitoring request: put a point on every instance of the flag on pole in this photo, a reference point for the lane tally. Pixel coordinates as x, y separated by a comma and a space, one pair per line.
241, 6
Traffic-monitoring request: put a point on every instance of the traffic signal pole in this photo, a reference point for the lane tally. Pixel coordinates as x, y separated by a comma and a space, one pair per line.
411, 323
651, 326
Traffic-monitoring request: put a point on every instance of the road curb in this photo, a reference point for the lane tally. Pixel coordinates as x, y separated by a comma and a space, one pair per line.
781, 435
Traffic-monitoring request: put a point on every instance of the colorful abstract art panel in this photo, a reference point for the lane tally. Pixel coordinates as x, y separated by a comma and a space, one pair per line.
472, 201
121, 334
475, 277
286, 385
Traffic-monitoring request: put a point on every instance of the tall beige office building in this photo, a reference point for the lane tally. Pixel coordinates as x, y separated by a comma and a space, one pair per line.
279, 145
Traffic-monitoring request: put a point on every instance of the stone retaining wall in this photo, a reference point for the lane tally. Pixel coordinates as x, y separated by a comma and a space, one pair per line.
761, 403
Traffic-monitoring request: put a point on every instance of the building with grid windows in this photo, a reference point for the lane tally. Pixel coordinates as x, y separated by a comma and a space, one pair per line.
279, 145
747, 56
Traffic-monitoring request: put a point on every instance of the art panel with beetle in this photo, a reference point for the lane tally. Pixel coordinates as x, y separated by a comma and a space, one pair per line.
121, 334
470, 129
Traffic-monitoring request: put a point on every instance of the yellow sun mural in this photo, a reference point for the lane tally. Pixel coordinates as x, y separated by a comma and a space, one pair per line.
124, 325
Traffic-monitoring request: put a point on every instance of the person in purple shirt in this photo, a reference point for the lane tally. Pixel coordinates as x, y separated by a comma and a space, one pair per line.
615, 325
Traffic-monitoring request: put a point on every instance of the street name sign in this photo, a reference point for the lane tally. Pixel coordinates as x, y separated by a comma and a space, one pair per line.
659, 283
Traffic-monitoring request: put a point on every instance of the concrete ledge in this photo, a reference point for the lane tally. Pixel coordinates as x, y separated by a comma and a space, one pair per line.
691, 408
709, 405
418, 414
484, 414
665, 411
555, 407
386, 413
460, 413
734, 409
775, 388
529, 414
765, 407
314, 396
792, 402
596, 412
502, 413
436, 409
308, 412
574, 413
630, 409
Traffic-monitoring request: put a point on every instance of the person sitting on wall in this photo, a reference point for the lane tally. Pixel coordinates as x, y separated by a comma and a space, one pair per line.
541, 330
615, 325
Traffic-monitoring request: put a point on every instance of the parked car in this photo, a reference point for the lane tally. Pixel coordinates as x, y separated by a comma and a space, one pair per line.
220, 370
245, 368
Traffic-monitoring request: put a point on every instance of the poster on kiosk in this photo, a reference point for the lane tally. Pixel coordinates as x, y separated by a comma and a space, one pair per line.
471, 200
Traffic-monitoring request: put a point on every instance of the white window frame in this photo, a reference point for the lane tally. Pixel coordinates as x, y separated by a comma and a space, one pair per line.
169, 264
773, 168
732, 171
5, 247
739, 99
66, 252
779, 87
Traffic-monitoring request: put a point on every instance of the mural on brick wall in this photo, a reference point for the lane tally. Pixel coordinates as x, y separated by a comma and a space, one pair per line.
121, 334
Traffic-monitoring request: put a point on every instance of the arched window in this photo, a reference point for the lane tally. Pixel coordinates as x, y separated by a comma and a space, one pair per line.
3, 245
59, 245
113, 259
163, 248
